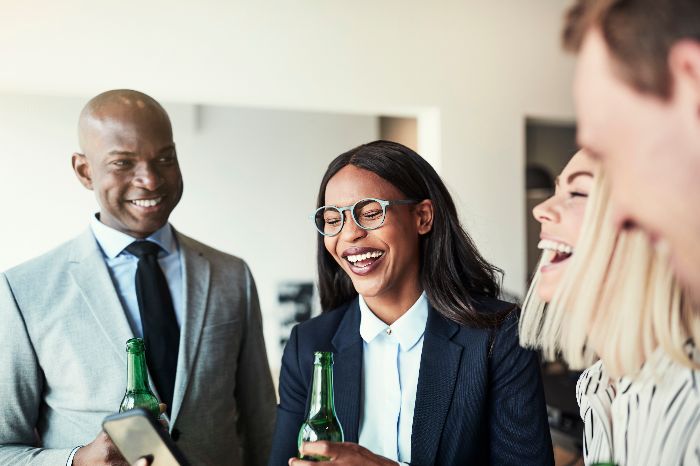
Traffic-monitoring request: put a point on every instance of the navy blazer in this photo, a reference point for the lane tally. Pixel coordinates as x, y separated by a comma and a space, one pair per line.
479, 398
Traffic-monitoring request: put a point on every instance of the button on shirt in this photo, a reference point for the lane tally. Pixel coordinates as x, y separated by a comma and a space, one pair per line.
391, 362
122, 268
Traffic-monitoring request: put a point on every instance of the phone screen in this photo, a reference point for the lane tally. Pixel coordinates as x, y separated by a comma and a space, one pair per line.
136, 436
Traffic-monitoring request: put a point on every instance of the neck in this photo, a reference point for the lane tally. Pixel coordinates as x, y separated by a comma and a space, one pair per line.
390, 307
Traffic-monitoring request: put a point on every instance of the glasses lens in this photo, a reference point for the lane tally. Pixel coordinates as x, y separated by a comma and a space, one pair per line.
369, 214
328, 220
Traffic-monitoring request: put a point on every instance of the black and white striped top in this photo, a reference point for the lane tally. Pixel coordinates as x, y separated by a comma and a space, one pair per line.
653, 420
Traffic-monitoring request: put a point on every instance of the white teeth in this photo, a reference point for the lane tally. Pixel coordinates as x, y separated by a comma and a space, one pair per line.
550, 245
147, 202
365, 256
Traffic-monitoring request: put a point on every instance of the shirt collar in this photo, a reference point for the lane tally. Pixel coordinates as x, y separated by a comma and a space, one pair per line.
408, 329
114, 241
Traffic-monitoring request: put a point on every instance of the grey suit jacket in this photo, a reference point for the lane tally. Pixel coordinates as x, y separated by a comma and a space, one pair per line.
63, 360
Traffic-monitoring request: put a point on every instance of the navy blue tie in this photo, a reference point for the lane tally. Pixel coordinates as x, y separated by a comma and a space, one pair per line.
160, 331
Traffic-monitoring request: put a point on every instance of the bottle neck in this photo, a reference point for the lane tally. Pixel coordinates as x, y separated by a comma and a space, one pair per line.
322, 404
136, 372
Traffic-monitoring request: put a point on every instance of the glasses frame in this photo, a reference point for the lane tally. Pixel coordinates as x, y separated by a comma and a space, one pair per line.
382, 202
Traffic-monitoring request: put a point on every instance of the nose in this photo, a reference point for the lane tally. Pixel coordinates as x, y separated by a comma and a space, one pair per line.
147, 177
545, 211
351, 231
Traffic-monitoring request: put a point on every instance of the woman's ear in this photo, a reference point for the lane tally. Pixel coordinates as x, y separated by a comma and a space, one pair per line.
424, 216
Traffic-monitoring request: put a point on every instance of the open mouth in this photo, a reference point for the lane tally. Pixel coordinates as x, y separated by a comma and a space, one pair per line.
146, 203
363, 260
559, 252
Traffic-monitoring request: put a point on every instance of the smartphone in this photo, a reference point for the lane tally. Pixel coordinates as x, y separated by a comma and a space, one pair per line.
137, 435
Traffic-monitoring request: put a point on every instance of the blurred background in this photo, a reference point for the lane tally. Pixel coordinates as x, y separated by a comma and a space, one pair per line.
264, 94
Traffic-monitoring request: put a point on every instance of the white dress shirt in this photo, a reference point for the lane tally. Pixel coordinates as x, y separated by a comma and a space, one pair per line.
122, 268
390, 365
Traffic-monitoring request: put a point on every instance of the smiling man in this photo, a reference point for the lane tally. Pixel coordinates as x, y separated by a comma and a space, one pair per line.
637, 93
67, 315
128, 159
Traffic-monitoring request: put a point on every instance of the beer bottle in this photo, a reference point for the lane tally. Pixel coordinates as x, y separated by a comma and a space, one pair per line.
321, 422
138, 394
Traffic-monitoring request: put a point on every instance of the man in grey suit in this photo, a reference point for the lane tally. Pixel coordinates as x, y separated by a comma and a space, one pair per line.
65, 316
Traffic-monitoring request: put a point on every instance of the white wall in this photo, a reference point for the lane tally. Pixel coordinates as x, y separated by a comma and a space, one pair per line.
251, 178
476, 67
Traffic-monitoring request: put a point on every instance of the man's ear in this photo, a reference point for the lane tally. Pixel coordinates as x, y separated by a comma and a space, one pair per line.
81, 167
424, 215
684, 63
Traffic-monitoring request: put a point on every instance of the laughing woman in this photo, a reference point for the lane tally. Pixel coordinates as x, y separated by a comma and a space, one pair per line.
428, 370
607, 298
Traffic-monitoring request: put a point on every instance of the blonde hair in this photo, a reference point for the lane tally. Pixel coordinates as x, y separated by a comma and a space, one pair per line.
618, 300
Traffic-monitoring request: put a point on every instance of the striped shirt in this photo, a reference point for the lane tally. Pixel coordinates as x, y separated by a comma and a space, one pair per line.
653, 420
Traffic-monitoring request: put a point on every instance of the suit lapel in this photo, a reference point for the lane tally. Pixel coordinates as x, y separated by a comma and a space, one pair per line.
91, 276
436, 382
195, 283
347, 371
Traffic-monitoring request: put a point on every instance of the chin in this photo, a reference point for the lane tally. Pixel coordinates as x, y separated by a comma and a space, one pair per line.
367, 290
545, 296
545, 291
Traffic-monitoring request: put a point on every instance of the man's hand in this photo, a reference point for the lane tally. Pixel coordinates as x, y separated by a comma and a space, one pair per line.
102, 452
341, 454
99, 452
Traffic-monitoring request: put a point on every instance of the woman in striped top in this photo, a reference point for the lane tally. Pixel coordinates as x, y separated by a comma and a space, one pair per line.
651, 419
615, 306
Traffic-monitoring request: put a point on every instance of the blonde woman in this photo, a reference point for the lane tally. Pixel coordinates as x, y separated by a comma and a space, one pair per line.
607, 298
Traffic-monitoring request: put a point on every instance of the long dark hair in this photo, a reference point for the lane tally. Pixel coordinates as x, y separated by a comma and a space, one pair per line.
452, 272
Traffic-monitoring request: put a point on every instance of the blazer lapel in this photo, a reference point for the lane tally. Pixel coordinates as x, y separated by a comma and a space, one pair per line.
436, 382
91, 276
195, 282
347, 373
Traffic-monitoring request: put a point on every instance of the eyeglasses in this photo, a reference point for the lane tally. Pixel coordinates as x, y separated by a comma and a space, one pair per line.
368, 214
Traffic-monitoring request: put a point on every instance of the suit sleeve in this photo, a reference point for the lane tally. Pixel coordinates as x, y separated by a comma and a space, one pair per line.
255, 392
21, 386
291, 410
519, 431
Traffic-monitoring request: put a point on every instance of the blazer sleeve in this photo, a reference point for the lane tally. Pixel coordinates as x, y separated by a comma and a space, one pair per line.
292, 406
519, 431
21, 386
255, 392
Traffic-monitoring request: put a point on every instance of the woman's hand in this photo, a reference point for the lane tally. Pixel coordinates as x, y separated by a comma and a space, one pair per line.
340, 454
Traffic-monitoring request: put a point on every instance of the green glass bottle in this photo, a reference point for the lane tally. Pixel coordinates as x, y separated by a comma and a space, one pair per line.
321, 423
138, 394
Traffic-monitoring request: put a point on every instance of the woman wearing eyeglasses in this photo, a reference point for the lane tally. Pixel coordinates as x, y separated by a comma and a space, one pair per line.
428, 370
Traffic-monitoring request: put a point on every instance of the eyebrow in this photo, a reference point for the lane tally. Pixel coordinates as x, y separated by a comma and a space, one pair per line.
127, 153
122, 152
577, 174
574, 175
